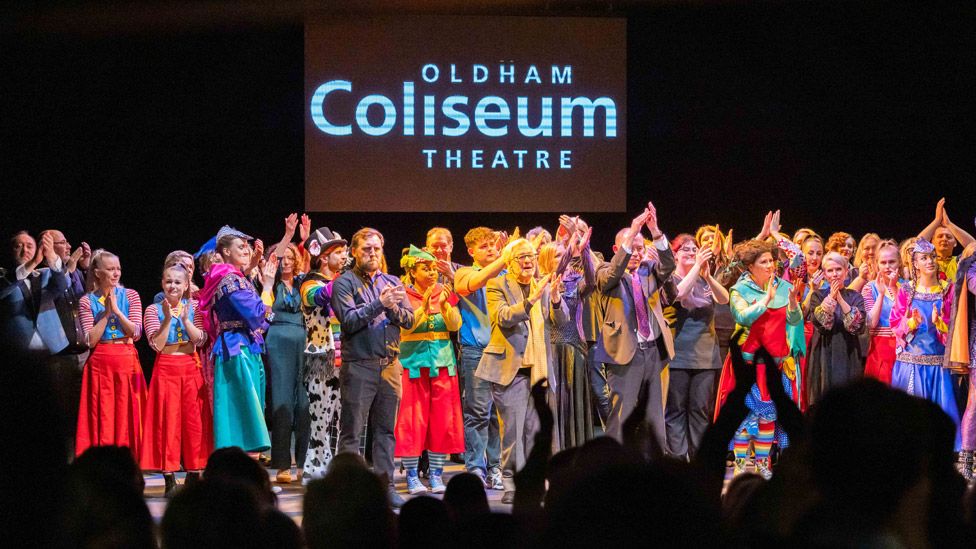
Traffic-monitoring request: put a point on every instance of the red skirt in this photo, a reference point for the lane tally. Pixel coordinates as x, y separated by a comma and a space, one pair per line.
881, 357
113, 397
430, 415
178, 421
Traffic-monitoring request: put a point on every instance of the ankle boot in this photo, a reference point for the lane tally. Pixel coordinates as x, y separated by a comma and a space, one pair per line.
192, 478
965, 465
170, 480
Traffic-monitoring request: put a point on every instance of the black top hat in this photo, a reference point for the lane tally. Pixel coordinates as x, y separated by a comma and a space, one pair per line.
321, 240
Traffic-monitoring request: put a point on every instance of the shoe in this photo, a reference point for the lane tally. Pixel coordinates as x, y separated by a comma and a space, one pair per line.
396, 501
436, 482
191, 478
738, 466
283, 476
494, 481
457, 458
965, 465
171, 486
481, 475
414, 486
763, 468
508, 498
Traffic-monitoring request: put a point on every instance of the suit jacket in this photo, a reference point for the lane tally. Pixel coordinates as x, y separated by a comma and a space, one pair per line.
509, 317
617, 341
30, 303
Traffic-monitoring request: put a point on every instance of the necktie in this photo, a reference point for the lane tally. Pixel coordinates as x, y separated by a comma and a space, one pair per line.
35, 290
640, 306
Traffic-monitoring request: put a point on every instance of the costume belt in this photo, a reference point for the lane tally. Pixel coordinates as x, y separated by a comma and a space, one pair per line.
922, 360
226, 325
425, 336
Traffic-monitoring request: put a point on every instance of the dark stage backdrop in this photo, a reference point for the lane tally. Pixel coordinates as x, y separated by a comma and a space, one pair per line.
846, 117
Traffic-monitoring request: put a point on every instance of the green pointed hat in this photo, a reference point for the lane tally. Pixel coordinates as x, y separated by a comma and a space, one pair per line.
419, 255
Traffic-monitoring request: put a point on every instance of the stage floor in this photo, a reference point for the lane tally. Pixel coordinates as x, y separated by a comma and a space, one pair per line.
290, 496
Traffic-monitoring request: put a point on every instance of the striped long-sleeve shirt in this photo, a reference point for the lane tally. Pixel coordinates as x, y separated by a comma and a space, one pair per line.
134, 314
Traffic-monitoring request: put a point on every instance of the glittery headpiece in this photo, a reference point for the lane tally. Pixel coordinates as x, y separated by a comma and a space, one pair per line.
923, 246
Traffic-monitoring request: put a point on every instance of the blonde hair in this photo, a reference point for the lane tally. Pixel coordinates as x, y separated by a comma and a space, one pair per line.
97, 258
548, 258
803, 234
859, 253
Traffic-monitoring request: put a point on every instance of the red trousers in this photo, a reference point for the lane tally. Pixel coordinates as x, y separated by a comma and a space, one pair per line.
430, 415
881, 357
113, 397
178, 421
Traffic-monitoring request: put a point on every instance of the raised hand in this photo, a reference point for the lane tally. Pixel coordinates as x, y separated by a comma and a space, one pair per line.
390, 296
767, 224
73, 259
704, 256
771, 288
185, 312
796, 293
868, 271
881, 281
774, 225
445, 268
258, 248
47, 249
835, 289
918, 318
568, 223
269, 271
291, 223
557, 288
651, 221
111, 303
585, 239
940, 211
442, 296
540, 287
305, 228
817, 279
635, 226
86, 254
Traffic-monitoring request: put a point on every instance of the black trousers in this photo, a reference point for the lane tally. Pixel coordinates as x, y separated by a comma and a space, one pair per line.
625, 381
370, 390
65, 374
691, 401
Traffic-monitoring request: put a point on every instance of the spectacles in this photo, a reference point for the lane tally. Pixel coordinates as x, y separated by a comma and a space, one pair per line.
526, 257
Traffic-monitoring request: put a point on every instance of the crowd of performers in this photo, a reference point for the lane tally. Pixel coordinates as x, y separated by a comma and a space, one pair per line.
315, 340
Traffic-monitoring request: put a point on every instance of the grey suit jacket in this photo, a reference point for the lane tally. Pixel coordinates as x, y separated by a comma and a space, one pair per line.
617, 341
510, 328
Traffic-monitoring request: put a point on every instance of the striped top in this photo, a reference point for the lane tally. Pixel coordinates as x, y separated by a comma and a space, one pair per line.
134, 314
870, 294
152, 322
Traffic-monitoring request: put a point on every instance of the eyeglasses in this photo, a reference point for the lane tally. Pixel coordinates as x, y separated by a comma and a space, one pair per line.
526, 257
